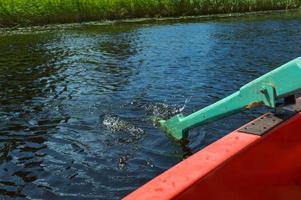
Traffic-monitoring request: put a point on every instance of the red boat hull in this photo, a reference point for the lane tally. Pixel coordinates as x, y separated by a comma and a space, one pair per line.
238, 166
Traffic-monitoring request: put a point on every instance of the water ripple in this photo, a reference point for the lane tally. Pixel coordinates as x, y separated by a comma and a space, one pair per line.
77, 104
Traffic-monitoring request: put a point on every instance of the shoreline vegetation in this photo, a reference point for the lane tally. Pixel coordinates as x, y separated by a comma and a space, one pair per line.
42, 12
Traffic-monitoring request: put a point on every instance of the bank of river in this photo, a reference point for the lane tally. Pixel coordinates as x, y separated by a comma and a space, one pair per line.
42, 12
76, 102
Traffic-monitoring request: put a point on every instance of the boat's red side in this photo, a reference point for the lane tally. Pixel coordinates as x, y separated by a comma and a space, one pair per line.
238, 166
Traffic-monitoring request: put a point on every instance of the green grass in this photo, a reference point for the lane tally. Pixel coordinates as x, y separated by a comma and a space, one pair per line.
34, 12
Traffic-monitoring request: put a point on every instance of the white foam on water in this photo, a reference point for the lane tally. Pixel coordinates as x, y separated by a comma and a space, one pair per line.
116, 124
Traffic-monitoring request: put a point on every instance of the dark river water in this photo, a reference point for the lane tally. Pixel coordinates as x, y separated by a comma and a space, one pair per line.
76, 102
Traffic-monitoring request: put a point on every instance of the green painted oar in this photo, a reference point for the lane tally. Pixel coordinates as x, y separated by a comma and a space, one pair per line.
281, 82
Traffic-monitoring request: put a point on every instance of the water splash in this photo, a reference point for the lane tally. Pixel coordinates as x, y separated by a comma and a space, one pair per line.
187, 100
163, 110
116, 124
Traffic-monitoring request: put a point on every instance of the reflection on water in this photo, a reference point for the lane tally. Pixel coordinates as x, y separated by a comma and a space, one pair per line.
77, 104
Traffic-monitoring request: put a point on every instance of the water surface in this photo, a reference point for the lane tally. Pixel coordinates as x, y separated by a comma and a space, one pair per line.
76, 102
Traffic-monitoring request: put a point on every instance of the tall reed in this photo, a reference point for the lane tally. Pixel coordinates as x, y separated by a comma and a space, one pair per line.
32, 12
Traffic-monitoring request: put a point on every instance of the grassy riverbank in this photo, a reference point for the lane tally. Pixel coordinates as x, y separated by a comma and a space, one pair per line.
40, 12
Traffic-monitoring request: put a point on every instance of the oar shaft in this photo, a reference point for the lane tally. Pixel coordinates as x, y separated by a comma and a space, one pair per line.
265, 90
